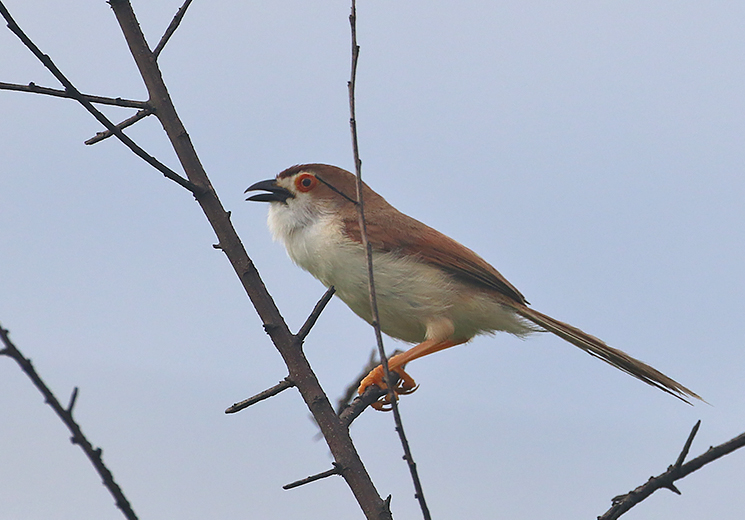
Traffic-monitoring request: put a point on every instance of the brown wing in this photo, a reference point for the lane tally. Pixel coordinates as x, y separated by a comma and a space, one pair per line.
399, 233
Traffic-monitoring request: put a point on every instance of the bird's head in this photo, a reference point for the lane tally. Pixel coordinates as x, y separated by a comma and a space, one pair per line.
304, 194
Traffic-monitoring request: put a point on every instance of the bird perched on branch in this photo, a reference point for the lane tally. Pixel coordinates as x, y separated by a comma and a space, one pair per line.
431, 290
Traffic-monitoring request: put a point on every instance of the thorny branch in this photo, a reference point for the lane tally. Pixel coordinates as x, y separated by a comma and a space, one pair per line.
419, 492
334, 431
145, 109
333, 427
677, 471
101, 100
75, 94
299, 337
65, 414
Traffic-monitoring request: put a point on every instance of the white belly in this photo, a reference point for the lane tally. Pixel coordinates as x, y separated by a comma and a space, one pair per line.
412, 296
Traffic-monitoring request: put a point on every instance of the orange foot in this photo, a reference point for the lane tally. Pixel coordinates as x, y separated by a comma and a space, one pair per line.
405, 385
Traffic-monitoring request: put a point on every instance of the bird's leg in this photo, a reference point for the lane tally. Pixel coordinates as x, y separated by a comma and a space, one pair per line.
406, 383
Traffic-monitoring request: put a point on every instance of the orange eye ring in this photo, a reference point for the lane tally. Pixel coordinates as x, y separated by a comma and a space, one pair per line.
305, 182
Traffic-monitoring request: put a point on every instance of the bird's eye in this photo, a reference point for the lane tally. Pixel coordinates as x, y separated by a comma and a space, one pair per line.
305, 182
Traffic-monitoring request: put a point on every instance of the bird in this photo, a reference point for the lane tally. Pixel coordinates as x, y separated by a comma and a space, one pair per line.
431, 290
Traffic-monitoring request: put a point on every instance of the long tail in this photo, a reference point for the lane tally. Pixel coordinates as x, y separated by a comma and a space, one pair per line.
615, 357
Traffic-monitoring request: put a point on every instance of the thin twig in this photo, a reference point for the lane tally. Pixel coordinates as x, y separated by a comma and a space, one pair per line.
266, 394
75, 93
419, 492
65, 414
336, 470
677, 471
171, 29
101, 100
100, 136
314, 315
687, 445
73, 398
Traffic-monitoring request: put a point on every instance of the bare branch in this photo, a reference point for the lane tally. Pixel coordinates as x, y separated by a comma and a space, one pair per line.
36, 89
74, 93
419, 492
677, 471
266, 394
314, 315
351, 391
100, 136
336, 470
349, 401
65, 414
360, 403
334, 432
687, 445
171, 29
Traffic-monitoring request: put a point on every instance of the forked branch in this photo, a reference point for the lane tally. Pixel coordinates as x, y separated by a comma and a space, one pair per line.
171, 28
65, 414
75, 94
675, 472
334, 431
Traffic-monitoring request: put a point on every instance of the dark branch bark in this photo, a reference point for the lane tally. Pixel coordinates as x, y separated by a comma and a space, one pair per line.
266, 394
300, 372
288, 345
315, 314
100, 136
65, 414
74, 93
336, 470
677, 471
171, 28
360, 403
36, 89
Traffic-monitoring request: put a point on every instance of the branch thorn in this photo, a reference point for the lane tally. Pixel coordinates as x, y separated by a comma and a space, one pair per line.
73, 398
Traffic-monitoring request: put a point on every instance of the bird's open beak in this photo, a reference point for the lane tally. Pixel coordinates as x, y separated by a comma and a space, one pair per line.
276, 193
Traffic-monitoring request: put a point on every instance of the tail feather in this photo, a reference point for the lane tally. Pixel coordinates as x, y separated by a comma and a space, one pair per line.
615, 357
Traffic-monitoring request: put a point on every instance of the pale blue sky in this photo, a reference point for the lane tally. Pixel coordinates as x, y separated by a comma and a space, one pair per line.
593, 152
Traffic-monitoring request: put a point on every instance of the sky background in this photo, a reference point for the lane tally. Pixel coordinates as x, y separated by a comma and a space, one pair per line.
591, 151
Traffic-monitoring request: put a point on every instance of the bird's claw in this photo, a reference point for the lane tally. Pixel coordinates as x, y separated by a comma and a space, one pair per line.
404, 385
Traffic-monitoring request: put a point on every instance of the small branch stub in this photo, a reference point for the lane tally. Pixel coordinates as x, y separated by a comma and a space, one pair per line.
266, 394
73, 398
315, 314
336, 470
687, 445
